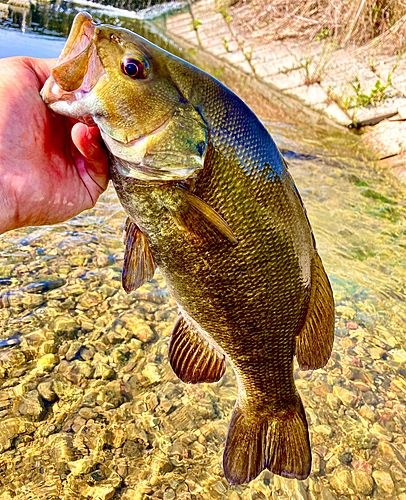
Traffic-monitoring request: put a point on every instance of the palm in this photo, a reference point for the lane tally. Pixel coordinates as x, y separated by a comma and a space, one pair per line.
47, 179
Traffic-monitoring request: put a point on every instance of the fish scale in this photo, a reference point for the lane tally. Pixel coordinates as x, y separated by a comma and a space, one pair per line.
211, 203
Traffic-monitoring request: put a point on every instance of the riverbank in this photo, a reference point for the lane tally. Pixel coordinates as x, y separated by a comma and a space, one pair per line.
355, 88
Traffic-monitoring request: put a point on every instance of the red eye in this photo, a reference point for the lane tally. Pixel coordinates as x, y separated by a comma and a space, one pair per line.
135, 67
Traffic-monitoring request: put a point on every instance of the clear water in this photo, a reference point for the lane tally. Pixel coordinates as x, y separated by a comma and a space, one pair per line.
89, 406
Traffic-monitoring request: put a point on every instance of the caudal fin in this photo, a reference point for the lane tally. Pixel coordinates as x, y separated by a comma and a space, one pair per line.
255, 442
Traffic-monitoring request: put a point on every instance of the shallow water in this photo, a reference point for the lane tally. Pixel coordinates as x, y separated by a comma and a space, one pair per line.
89, 406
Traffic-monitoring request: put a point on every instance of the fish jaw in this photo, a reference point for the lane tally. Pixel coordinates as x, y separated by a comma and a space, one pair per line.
77, 72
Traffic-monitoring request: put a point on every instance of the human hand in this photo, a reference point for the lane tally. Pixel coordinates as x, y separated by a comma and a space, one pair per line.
50, 168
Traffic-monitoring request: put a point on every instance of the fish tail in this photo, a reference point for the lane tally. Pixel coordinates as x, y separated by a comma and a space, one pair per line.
278, 442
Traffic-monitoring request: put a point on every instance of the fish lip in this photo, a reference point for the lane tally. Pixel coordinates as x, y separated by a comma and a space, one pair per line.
80, 40
138, 139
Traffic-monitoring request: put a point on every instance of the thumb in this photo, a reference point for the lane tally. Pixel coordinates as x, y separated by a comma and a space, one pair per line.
88, 141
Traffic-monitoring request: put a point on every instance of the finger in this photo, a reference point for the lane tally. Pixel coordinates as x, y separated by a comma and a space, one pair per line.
86, 140
40, 67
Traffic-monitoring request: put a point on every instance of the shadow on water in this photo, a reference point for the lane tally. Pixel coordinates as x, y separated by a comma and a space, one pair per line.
89, 406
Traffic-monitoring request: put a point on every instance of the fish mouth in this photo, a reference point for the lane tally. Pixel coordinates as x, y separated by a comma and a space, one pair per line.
79, 67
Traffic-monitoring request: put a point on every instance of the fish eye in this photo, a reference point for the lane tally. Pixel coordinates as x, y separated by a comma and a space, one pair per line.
135, 67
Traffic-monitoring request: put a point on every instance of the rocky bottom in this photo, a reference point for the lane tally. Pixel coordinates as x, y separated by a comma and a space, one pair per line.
90, 407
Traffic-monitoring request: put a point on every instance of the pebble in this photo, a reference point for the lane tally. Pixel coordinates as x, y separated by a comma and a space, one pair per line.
333, 402
367, 412
82, 466
99, 492
138, 327
46, 391
64, 325
347, 397
103, 371
362, 465
73, 350
380, 432
32, 406
324, 430
151, 373
47, 362
384, 481
363, 482
110, 396
341, 481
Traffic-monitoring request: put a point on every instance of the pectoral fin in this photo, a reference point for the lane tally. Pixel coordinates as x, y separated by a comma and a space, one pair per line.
139, 266
197, 219
315, 341
192, 358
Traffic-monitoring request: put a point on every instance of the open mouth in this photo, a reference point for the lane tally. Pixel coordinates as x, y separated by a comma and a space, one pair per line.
79, 67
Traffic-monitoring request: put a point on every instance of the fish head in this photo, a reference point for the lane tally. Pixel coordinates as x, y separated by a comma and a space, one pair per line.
117, 80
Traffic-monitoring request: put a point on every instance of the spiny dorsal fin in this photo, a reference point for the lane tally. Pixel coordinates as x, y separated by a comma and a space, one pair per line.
199, 220
192, 358
315, 341
258, 441
139, 266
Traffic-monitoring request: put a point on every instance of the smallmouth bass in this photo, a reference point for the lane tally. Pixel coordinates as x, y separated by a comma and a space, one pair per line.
211, 203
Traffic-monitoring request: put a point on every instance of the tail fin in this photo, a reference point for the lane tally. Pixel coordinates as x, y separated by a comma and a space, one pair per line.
279, 443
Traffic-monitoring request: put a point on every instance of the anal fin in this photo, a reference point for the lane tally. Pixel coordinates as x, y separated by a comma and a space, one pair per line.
315, 341
139, 266
257, 441
192, 358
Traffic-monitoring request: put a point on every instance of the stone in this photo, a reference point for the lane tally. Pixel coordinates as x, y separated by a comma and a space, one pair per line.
333, 402
345, 458
82, 466
399, 355
47, 362
347, 397
138, 327
73, 350
46, 391
110, 396
363, 482
103, 371
324, 430
384, 481
31, 406
370, 398
99, 492
345, 311
362, 465
151, 373
380, 432
341, 481
391, 453
64, 325
169, 494
367, 412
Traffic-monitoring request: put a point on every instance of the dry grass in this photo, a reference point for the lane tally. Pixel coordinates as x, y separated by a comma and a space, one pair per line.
359, 22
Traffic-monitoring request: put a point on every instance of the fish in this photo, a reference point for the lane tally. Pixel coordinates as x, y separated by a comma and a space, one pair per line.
211, 203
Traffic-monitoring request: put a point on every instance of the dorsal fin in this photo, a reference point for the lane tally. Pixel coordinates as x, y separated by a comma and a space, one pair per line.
315, 341
192, 358
139, 266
